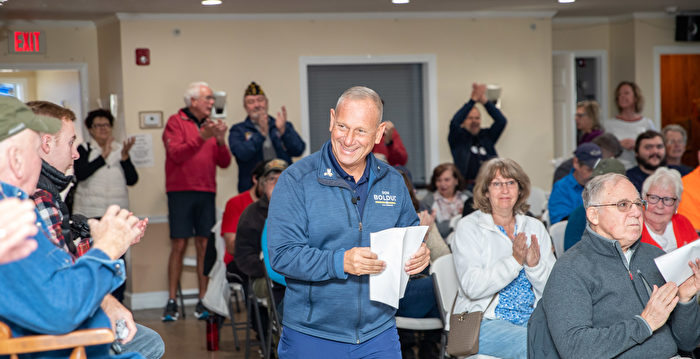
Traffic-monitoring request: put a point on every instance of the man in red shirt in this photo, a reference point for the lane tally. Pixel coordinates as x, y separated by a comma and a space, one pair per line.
194, 145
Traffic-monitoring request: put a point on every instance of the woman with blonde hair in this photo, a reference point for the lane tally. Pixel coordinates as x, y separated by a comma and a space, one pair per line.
503, 259
629, 122
588, 121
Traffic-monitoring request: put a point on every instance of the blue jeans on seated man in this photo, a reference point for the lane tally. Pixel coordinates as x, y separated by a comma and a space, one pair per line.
146, 342
502, 339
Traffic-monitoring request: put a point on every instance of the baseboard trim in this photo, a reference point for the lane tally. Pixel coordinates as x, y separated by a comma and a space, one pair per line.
151, 300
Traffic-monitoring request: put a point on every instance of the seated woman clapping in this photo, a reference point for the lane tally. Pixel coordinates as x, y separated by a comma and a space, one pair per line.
502, 259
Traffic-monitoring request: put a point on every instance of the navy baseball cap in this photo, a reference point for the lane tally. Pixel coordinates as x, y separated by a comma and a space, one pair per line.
588, 154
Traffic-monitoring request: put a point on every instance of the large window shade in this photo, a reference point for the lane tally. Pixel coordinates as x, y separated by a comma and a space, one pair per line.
399, 85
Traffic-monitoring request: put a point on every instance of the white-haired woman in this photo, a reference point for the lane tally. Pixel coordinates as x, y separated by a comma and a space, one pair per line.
663, 227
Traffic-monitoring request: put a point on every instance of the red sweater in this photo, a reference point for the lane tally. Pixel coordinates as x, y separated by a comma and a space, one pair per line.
190, 161
395, 153
682, 229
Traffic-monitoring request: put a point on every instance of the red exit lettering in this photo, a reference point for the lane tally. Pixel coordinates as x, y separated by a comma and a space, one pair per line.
27, 41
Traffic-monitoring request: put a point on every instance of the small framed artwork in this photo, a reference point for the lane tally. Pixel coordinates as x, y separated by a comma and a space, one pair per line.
151, 119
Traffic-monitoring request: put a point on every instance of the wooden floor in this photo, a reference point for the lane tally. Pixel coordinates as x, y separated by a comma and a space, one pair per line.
186, 338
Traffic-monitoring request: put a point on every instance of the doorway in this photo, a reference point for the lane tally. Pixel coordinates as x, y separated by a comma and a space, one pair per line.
62, 84
577, 76
677, 94
407, 84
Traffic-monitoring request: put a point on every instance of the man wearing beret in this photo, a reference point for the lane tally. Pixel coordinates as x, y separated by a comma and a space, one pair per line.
261, 137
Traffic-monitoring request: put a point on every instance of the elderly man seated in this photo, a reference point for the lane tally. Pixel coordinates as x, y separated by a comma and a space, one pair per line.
605, 297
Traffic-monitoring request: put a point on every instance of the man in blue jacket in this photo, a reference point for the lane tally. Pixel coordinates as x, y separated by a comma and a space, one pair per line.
261, 137
321, 215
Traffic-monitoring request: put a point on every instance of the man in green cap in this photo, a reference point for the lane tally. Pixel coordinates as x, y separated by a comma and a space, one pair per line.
30, 304
261, 137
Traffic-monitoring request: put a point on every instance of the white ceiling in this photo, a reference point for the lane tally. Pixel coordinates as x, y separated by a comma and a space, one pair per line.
97, 9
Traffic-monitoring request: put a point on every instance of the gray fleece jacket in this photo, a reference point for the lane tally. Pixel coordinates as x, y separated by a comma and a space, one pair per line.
593, 300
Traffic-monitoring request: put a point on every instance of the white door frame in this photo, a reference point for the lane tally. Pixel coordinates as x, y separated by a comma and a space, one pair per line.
430, 116
666, 50
81, 67
602, 57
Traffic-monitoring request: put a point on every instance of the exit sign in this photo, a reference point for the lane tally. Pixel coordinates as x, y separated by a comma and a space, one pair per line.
27, 42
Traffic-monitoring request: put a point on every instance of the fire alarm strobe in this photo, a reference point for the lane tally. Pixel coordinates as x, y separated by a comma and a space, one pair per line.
143, 57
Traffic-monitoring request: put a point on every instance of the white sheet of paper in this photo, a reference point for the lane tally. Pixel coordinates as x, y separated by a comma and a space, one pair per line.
394, 246
674, 265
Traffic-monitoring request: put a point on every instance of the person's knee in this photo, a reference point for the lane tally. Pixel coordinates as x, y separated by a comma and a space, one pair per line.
178, 246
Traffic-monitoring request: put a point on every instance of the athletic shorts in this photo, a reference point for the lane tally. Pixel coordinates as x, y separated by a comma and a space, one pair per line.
191, 213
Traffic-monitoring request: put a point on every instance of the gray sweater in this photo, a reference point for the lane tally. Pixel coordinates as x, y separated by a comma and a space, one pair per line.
593, 301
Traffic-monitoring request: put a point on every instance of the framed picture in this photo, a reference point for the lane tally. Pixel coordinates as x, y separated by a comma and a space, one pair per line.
151, 119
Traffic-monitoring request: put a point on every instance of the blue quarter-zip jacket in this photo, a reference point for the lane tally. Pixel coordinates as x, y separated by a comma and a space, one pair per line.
312, 221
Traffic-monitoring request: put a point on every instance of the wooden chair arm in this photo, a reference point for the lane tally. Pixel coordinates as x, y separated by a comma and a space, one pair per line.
40, 343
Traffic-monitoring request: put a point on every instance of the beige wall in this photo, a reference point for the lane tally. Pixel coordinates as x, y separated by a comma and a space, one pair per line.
66, 43
506, 52
229, 54
630, 44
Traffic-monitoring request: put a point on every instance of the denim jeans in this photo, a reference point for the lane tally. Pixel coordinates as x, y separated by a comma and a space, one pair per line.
502, 339
146, 342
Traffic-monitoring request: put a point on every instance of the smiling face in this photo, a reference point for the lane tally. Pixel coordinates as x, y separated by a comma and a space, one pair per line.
60, 150
355, 129
675, 146
446, 184
255, 106
473, 121
101, 130
503, 193
659, 213
611, 223
625, 97
651, 153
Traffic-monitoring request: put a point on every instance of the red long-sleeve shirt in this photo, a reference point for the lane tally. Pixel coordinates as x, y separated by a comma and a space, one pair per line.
190, 161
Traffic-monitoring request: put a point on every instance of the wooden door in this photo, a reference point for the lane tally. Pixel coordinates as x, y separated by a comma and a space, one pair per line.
680, 99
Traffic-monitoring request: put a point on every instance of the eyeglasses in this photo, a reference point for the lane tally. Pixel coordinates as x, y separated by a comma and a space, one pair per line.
675, 142
499, 185
667, 201
101, 125
208, 98
624, 205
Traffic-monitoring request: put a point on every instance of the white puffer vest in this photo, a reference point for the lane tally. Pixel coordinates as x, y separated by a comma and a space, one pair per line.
105, 187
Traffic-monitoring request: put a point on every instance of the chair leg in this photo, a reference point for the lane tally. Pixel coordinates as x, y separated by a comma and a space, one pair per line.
182, 299
78, 353
258, 325
234, 327
443, 344
238, 305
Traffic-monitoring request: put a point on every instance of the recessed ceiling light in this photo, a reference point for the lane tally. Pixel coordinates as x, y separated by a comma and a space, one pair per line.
400, 1
211, 2
566, 1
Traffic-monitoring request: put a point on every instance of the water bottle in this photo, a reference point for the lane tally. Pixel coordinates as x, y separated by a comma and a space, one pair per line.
212, 334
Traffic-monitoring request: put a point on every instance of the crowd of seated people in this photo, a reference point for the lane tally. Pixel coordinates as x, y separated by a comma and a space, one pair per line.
503, 257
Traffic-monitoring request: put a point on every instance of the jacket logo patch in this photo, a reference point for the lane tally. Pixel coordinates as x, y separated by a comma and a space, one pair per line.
248, 135
385, 199
328, 173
